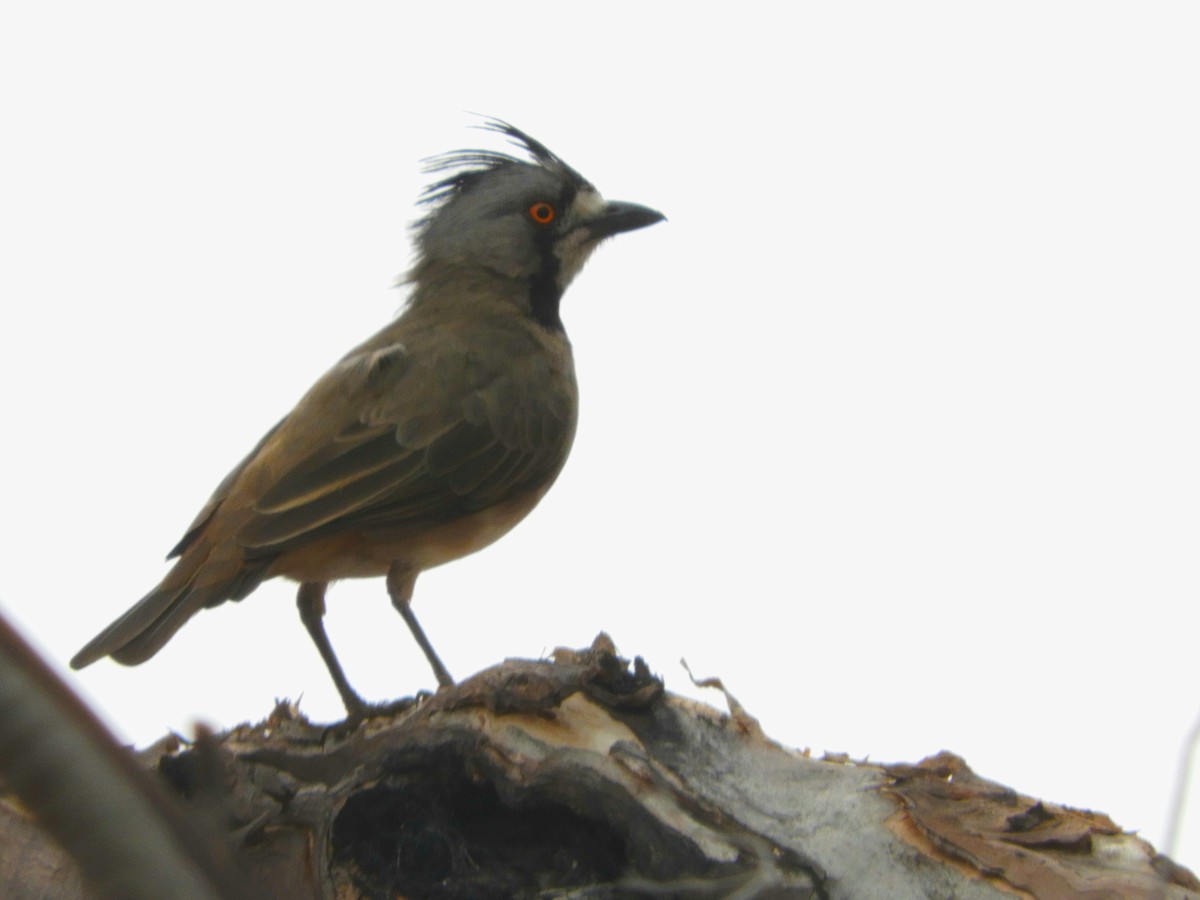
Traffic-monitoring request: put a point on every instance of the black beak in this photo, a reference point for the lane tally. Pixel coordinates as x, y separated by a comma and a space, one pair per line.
618, 217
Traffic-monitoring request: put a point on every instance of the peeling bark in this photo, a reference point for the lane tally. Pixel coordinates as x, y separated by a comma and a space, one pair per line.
581, 778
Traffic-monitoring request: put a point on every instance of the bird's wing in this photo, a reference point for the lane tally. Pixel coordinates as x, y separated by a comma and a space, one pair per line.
218, 496
422, 431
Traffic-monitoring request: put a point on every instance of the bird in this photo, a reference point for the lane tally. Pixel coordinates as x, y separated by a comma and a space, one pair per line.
429, 440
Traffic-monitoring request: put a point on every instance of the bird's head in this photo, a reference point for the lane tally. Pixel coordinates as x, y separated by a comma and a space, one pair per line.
534, 219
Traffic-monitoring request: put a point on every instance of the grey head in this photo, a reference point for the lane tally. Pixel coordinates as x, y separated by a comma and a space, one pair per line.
534, 220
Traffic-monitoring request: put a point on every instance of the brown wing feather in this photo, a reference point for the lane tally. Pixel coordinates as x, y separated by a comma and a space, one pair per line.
218, 496
431, 444
336, 466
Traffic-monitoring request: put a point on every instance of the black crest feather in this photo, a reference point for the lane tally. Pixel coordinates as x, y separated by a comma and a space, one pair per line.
465, 166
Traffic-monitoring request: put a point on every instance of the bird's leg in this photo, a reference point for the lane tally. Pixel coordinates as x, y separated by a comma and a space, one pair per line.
400, 581
311, 602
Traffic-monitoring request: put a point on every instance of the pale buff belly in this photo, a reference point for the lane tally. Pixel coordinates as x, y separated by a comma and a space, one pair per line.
370, 554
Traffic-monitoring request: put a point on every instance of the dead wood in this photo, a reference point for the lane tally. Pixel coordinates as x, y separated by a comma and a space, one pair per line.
581, 778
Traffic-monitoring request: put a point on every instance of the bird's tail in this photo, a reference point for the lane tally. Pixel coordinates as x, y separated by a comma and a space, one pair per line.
188, 588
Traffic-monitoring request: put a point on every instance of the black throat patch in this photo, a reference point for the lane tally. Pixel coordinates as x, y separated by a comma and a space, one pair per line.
544, 292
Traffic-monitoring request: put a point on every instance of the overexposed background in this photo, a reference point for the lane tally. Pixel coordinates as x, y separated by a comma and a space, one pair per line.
893, 425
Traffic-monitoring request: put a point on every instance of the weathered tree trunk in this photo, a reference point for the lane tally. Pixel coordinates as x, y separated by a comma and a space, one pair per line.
581, 778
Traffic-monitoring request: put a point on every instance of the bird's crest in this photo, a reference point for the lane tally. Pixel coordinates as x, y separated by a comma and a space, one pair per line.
466, 166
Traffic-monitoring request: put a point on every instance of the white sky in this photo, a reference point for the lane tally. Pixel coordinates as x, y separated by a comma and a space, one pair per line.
893, 425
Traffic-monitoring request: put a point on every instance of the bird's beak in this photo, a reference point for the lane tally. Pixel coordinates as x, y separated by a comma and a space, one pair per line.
617, 217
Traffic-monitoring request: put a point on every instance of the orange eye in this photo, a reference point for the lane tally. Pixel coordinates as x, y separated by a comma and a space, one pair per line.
542, 213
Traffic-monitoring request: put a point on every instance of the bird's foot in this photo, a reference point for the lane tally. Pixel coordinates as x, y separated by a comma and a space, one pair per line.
362, 711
